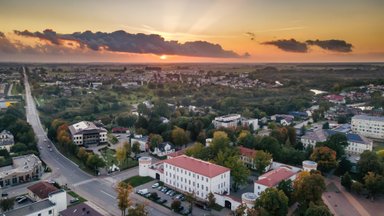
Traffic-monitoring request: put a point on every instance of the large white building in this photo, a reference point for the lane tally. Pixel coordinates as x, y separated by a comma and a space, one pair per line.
87, 134
357, 144
188, 174
369, 126
234, 120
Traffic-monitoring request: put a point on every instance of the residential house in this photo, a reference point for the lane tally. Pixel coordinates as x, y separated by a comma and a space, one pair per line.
6, 140
164, 149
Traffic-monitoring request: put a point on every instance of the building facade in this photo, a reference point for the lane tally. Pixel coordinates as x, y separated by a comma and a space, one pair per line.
192, 175
368, 126
357, 143
24, 169
86, 133
233, 121
247, 156
6, 140
273, 178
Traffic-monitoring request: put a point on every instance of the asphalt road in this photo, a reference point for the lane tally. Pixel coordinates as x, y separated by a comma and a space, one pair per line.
98, 190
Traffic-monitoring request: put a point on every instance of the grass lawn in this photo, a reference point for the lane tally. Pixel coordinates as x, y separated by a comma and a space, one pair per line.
110, 158
138, 180
217, 207
75, 195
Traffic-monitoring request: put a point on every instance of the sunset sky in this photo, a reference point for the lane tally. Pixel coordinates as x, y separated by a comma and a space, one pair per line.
192, 31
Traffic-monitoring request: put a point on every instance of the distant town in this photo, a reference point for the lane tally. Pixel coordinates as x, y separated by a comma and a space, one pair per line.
192, 139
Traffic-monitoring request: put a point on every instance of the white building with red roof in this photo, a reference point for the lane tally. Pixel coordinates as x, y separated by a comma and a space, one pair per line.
273, 178
189, 174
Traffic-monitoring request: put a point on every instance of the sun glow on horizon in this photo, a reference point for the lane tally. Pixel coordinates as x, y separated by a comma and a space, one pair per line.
163, 57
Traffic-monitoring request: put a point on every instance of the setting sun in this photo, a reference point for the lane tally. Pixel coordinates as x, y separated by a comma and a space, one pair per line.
163, 57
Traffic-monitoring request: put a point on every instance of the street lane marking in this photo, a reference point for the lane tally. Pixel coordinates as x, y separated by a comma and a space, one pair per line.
83, 182
108, 194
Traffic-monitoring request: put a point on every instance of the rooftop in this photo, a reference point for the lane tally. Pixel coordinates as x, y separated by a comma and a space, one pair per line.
247, 151
20, 164
42, 189
31, 208
84, 126
274, 177
197, 166
80, 210
369, 118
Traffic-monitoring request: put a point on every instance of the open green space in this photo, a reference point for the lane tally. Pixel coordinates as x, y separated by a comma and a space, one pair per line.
138, 180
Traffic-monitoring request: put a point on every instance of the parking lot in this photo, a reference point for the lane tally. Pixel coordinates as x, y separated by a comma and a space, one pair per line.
162, 195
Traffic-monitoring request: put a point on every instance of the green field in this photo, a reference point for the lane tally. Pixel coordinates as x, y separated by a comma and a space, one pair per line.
138, 180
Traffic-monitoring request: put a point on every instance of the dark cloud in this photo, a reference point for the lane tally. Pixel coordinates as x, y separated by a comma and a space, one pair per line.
251, 35
121, 41
291, 45
332, 45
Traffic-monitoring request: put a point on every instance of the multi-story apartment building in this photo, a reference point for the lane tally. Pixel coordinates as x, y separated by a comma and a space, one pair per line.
369, 126
87, 134
234, 120
192, 175
357, 144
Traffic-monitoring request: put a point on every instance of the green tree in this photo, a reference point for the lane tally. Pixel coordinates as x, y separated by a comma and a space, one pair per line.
317, 210
136, 147
194, 149
239, 171
128, 148
337, 142
7, 204
270, 145
287, 187
138, 210
374, 183
95, 162
241, 209
346, 181
309, 188
274, 201
154, 141
211, 200
369, 162
325, 158
220, 141
261, 160
124, 202
82, 154
191, 199
121, 154
179, 136
343, 166
357, 187
175, 206
246, 139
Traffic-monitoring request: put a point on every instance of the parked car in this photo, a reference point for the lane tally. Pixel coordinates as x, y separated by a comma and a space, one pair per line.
169, 192
143, 191
180, 197
173, 193
165, 190
74, 200
161, 201
4, 194
147, 195
18, 198
185, 212
155, 185
160, 188
23, 199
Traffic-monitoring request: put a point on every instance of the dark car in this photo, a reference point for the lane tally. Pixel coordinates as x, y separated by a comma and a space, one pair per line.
161, 201
4, 194
185, 212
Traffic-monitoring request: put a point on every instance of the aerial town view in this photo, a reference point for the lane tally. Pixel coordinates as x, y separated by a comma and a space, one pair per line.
191, 107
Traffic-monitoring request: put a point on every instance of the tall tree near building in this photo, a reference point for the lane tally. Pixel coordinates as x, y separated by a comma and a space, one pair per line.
7, 204
261, 160
374, 183
317, 210
121, 154
124, 202
346, 181
308, 187
220, 141
273, 201
154, 141
325, 158
179, 136
136, 148
211, 199
369, 162
138, 210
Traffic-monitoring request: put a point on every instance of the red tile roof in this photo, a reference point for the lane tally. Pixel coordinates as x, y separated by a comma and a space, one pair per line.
177, 153
247, 152
197, 166
42, 189
274, 177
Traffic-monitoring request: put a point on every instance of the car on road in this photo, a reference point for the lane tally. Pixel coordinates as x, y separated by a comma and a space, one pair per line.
4, 194
50, 149
155, 185
49, 146
45, 140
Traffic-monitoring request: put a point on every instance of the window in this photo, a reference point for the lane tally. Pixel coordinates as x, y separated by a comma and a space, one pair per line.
50, 211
